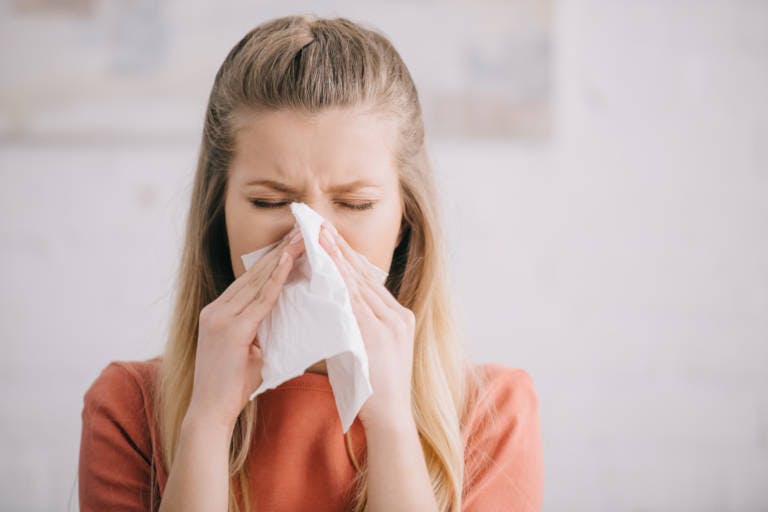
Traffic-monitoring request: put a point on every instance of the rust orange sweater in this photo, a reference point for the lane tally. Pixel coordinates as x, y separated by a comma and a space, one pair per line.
299, 459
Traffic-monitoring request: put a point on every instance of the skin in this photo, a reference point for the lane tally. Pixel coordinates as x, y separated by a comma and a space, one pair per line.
311, 156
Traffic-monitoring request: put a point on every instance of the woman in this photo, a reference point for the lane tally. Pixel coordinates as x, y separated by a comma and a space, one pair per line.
321, 111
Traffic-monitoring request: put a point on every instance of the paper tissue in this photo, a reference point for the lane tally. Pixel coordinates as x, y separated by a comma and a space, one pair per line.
313, 320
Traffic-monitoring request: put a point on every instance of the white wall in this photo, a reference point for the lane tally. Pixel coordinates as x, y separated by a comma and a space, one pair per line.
624, 263
653, 357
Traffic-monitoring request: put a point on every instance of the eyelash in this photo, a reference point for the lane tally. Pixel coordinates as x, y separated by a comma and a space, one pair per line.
358, 207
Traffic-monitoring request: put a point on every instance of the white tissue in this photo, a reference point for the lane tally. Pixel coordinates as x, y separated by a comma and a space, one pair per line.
313, 320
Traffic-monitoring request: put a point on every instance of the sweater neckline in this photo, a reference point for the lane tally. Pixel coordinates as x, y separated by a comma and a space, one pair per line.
306, 380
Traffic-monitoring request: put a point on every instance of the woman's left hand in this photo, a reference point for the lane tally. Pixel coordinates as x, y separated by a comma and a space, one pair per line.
387, 328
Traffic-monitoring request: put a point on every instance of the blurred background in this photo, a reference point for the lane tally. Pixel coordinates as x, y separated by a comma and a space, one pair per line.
603, 169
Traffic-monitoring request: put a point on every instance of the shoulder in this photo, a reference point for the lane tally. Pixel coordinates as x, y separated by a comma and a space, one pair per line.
503, 444
506, 380
118, 448
123, 394
501, 393
124, 381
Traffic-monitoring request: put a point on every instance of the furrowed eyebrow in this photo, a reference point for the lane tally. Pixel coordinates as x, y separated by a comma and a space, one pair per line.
276, 185
344, 187
353, 185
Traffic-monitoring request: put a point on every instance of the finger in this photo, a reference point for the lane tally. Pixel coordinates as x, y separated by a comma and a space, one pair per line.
362, 309
382, 311
270, 256
269, 260
352, 256
384, 294
357, 295
351, 277
253, 286
362, 282
381, 291
345, 269
254, 312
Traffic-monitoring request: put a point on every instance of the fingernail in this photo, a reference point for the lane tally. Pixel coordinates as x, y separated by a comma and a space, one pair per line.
332, 228
283, 257
295, 238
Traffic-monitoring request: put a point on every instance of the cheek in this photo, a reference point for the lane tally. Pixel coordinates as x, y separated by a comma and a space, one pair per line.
374, 240
237, 234
248, 231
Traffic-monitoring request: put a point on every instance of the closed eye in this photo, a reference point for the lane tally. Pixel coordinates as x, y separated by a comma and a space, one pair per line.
352, 206
267, 204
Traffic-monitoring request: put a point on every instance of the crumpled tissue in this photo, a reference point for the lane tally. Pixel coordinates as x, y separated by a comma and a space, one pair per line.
313, 320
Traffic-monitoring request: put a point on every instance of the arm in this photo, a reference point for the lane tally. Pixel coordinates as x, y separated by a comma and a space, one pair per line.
228, 362
199, 476
398, 478
398, 475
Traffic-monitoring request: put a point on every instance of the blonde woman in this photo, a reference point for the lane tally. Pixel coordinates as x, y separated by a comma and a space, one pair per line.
320, 111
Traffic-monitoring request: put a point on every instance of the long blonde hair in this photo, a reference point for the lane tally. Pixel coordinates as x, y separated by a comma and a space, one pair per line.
309, 63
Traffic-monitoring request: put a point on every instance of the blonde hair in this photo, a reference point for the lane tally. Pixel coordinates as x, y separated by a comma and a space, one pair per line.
310, 64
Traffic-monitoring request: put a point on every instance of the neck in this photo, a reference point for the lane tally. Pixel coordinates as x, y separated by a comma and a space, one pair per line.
318, 367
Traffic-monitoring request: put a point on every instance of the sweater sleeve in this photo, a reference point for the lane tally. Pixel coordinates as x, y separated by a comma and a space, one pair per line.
503, 453
114, 466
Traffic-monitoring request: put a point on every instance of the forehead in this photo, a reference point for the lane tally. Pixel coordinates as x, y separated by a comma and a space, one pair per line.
332, 144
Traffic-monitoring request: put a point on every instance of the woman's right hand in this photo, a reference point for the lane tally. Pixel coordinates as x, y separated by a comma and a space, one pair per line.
228, 360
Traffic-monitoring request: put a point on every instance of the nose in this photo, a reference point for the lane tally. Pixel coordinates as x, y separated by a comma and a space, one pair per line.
323, 209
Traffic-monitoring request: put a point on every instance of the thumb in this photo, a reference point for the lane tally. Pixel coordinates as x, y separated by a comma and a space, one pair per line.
255, 364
